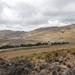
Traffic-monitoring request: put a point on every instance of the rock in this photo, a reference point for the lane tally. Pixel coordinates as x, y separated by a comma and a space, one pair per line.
42, 72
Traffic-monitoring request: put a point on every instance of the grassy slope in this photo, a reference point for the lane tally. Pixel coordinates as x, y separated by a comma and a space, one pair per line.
46, 36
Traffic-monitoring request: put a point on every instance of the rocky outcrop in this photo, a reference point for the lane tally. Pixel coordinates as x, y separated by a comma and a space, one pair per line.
62, 64
25, 67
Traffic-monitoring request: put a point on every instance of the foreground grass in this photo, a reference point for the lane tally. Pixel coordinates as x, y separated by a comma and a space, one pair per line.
49, 56
60, 62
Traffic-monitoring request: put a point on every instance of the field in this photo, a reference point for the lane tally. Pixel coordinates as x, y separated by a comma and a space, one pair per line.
52, 60
28, 52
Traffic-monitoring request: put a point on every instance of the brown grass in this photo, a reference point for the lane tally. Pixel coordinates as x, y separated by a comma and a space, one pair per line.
29, 52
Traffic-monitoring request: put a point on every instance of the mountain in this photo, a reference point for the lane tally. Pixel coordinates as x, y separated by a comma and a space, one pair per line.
37, 35
8, 34
54, 33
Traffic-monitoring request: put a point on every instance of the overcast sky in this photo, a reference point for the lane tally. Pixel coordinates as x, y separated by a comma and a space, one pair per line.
31, 14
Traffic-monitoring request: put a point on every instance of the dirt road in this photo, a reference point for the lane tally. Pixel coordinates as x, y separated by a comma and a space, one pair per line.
28, 52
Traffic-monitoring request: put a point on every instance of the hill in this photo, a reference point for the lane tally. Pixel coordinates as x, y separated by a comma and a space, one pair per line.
54, 33
38, 35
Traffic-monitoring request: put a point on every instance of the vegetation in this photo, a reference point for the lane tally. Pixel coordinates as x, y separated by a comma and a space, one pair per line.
32, 45
23, 45
60, 62
51, 56
59, 43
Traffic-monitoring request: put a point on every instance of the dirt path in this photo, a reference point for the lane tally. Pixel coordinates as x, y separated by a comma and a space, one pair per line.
24, 52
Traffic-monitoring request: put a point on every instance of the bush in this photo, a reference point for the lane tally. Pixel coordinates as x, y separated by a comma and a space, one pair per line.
22, 45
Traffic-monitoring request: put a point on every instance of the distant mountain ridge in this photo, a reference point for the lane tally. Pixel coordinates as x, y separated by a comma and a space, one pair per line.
9, 34
40, 34
55, 28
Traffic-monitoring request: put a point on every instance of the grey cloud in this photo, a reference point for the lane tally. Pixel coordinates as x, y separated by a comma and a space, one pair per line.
62, 3
37, 22
60, 11
9, 22
31, 15
25, 10
1, 6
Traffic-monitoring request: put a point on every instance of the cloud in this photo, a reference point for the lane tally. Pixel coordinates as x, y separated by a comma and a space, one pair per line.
31, 14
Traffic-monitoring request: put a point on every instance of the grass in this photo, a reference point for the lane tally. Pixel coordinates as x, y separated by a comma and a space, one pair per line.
49, 56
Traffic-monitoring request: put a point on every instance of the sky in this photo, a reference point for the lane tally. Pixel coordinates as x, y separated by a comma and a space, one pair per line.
27, 15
